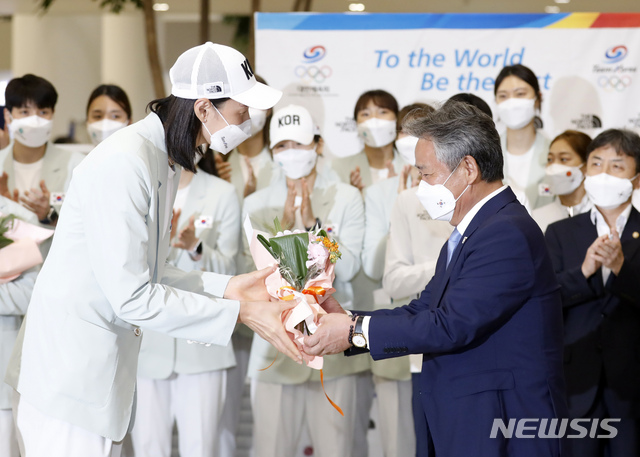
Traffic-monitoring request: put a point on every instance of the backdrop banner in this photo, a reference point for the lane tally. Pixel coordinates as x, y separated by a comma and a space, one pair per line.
586, 63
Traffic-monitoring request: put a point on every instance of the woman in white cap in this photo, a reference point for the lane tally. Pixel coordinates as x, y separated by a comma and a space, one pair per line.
74, 364
287, 397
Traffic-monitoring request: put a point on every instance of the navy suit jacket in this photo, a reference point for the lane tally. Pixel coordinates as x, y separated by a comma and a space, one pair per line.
489, 327
601, 321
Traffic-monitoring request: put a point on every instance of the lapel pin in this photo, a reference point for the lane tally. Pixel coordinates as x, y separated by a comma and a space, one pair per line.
464, 239
635, 234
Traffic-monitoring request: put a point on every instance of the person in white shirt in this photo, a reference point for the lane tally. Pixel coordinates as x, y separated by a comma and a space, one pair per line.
179, 381
249, 168
108, 110
524, 147
376, 114
566, 163
106, 278
14, 299
34, 171
285, 396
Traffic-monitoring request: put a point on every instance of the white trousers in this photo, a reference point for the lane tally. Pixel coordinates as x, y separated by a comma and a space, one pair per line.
8, 440
40, 435
364, 400
395, 420
280, 412
236, 377
193, 401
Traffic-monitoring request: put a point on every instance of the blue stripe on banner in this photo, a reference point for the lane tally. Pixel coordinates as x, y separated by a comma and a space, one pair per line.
399, 21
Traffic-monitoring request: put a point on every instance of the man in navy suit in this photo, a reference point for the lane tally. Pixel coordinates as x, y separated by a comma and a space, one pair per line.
596, 256
489, 323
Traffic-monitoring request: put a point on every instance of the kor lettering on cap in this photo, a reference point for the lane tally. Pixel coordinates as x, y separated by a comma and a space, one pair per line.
288, 119
248, 71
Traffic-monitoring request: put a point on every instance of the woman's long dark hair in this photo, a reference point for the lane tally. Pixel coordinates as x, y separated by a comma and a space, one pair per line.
181, 127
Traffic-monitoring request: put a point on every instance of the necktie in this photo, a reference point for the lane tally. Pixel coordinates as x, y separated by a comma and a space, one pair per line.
454, 239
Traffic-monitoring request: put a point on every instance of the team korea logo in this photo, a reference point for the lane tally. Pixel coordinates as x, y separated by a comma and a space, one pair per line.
314, 54
310, 72
615, 54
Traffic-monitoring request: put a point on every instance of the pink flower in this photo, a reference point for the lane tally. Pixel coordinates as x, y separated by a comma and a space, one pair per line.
317, 255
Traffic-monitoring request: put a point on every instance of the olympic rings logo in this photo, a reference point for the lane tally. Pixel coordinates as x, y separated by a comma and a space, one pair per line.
615, 54
314, 54
614, 82
314, 73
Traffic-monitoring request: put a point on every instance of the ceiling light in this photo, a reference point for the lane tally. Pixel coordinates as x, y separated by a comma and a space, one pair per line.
160, 7
562, 1
551, 9
357, 7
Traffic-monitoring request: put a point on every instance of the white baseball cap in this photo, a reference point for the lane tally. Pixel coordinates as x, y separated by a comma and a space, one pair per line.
216, 71
292, 122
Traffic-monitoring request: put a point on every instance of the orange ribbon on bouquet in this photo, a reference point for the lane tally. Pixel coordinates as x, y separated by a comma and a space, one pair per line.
315, 292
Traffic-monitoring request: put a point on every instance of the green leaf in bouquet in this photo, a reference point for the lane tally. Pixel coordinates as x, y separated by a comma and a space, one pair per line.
291, 253
6, 222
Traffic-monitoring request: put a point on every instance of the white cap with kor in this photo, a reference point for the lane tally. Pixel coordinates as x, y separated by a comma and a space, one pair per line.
292, 122
216, 71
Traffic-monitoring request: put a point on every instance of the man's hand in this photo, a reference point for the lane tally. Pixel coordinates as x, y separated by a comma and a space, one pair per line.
609, 252
331, 337
306, 211
250, 286
592, 261
37, 201
356, 179
187, 239
331, 305
224, 168
263, 317
289, 215
4, 188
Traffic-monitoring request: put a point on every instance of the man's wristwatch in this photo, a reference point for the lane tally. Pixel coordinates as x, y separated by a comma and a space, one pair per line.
358, 338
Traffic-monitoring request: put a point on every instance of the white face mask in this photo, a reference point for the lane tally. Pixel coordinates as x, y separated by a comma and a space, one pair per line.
406, 147
377, 133
102, 129
438, 200
230, 137
562, 179
606, 191
32, 131
517, 112
258, 120
296, 163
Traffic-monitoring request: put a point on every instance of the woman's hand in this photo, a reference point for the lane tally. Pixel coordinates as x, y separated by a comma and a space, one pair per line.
356, 179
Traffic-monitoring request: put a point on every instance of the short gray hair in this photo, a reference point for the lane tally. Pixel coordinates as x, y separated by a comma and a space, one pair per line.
456, 130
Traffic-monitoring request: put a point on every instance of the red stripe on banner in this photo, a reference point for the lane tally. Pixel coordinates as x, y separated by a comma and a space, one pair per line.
617, 20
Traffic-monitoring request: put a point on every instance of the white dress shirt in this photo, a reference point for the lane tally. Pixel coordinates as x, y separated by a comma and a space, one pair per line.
603, 229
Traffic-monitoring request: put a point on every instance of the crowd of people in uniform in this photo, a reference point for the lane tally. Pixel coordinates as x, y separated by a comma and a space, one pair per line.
578, 189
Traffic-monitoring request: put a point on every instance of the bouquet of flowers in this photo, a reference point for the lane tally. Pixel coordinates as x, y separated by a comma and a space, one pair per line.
306, 262
19, 246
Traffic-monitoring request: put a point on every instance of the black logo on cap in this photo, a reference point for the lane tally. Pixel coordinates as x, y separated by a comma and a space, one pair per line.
214, 89
288, 119
248, 71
